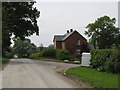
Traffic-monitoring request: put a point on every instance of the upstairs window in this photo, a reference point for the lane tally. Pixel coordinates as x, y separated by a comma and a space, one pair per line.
78, 42
78, 51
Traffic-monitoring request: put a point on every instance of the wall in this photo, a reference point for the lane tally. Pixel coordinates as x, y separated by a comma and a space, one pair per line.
71, 43
57, 44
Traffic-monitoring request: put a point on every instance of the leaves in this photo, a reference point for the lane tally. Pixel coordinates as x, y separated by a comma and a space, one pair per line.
23, 47
107, 60
103, 32
19, 19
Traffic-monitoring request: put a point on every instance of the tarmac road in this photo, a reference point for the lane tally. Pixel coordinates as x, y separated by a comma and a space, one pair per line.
26, 73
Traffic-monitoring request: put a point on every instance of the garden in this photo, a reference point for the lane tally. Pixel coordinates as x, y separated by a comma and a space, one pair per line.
104, 69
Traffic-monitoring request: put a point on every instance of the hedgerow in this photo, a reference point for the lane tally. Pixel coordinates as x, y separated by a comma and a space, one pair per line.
62, 54
36, 55
52, 53
107, 60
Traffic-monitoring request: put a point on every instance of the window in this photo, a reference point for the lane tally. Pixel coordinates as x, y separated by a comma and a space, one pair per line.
78, 51
78, 42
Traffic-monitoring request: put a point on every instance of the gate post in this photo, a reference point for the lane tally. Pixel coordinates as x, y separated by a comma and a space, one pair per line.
85, 59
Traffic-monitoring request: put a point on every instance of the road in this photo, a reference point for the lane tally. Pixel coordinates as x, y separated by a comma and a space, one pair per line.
26, 73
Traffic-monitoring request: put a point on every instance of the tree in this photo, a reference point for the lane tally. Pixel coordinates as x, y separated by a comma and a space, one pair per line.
103, 32
19, 19
23, 48
51, 46
5, 31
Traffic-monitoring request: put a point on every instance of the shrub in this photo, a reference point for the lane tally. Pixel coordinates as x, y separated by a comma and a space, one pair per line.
54, 53
49, 53
8, 54
107, 60
62, 54
35, 55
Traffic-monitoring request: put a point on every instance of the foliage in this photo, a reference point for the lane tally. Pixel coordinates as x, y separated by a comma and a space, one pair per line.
94, 78
36, 55
4, 60
107, 60
103, 33
23, 48
49, 53
40, 48
19, 19
9, 54
5, 32
51, 46
62, 54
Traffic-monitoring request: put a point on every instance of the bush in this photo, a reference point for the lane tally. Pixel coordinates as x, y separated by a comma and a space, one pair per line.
52, 53
49, 53
9, 54
107, 60
62, 54
35, 55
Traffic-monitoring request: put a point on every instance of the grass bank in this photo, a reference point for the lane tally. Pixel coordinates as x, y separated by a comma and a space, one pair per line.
95, 78
3, 62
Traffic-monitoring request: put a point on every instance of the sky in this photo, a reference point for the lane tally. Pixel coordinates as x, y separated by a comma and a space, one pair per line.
58, 17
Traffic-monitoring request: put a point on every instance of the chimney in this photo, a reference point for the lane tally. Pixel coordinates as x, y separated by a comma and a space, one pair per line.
67, 31
71, 30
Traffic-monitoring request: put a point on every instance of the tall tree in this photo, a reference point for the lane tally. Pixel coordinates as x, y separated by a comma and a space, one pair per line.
19, 19
103, 32
23, 48
51, 46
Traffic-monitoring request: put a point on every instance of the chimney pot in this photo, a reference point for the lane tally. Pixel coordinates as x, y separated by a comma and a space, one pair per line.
71, 30
67, 31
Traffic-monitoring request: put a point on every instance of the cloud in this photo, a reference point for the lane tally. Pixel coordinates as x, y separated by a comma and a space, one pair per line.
57, 18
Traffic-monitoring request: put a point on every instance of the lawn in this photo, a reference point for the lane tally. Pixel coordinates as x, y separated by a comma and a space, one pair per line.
95, 78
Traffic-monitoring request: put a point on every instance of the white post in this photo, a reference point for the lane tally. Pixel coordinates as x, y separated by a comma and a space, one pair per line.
85, 59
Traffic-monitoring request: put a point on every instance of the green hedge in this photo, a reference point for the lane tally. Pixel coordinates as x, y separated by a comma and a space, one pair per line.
49, 53
107, 60
35, 55
62, 54
52, 53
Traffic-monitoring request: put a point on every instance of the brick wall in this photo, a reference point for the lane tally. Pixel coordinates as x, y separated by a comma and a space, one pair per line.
71, 43
57, 44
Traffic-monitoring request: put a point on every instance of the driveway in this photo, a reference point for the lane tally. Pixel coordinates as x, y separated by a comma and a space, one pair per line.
26, 73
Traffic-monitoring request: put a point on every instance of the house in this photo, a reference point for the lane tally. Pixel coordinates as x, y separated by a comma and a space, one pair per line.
91, 47
72, 41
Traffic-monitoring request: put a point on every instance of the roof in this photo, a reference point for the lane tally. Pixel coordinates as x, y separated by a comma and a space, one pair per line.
67, 35
91, 46
64, 37
59, 37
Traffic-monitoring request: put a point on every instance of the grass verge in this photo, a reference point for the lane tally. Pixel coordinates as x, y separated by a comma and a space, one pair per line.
95, 78
47, 58
53, 59
3, 62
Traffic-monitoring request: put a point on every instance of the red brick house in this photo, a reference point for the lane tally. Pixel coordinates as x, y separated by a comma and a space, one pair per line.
72, 41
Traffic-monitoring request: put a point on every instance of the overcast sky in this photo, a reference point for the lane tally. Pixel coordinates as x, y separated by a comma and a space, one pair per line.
58, 17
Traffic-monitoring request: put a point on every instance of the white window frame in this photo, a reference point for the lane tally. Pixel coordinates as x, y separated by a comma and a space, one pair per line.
78, 51
78, 42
